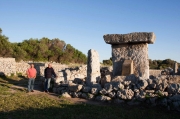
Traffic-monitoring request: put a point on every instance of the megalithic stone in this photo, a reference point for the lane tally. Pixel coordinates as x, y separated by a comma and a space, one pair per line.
132, 46
175, 68
93, 67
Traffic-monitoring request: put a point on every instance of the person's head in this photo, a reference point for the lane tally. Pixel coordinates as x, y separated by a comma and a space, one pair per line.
49, 65
32, 65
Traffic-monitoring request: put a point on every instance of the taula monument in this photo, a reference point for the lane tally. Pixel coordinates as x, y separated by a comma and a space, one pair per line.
130, 53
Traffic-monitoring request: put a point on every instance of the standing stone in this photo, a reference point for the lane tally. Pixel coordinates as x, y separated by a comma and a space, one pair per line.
93, 67
132, 46
175, 68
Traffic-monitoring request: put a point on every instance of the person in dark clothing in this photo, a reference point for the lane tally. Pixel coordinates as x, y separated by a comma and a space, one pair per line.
48, 73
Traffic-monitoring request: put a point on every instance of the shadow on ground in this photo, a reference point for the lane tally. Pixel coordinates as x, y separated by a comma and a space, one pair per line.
84, 111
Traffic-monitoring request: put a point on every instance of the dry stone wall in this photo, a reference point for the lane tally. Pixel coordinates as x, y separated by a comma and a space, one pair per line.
153, 72
7, 66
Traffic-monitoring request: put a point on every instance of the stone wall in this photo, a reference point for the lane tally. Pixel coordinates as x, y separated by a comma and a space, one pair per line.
153, 72
7, 66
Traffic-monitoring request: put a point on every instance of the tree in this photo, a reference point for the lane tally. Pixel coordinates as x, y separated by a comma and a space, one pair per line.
5, 46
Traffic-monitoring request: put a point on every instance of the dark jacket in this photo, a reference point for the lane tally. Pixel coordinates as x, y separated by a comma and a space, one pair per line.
48, 72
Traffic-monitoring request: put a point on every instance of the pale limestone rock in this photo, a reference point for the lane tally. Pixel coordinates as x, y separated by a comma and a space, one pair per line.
93, 67
65, 94
94, 91
136, 37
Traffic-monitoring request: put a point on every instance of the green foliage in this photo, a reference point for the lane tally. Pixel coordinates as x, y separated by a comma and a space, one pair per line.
43, 49
107, 62
161, 64
153, 64
5, 46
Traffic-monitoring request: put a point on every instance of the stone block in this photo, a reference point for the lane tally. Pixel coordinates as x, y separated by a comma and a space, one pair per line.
136, 37
127, 68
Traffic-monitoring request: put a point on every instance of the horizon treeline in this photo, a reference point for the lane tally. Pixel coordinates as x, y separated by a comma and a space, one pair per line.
43, 49
153, 64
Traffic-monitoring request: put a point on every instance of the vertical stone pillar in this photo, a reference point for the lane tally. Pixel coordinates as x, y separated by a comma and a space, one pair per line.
175, 68
133, 46
93, 67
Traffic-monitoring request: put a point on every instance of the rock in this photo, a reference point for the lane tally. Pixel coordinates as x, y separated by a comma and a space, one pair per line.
132, 78
117, 85
118, 78
65, 94
75, 87
103, 92
112, 95
94, 91
78, 81
86, 89
108, 87
75, 95
84, 95
90, 96
105, 79
125, 94
96, 85
157, 81
102, 98
126, 83
152, 86
173, 88
149, 91
140, 96
142, 84
54, 90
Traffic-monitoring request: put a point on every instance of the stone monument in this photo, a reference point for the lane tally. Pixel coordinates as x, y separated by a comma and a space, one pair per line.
175, 68
93, 67
132, 46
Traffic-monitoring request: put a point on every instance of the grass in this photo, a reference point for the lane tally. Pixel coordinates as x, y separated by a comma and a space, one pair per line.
20, 105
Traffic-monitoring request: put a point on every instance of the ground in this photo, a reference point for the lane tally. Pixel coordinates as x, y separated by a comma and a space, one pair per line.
16, 103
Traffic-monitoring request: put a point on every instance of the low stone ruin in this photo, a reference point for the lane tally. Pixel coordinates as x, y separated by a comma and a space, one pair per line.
128, 81
163, 90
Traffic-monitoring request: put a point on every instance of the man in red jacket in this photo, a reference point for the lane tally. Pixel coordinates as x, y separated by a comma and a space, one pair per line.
48, 73
31, 74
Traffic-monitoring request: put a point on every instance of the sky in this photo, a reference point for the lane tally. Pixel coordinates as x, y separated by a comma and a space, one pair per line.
82, 23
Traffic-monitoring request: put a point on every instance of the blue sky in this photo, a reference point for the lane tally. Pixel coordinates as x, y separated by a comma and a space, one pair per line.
82, 23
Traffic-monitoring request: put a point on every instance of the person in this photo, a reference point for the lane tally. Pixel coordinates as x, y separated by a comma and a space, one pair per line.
48, 73
31, 75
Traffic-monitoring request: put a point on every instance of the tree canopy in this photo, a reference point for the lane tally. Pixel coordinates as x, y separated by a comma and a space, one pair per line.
43, 49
